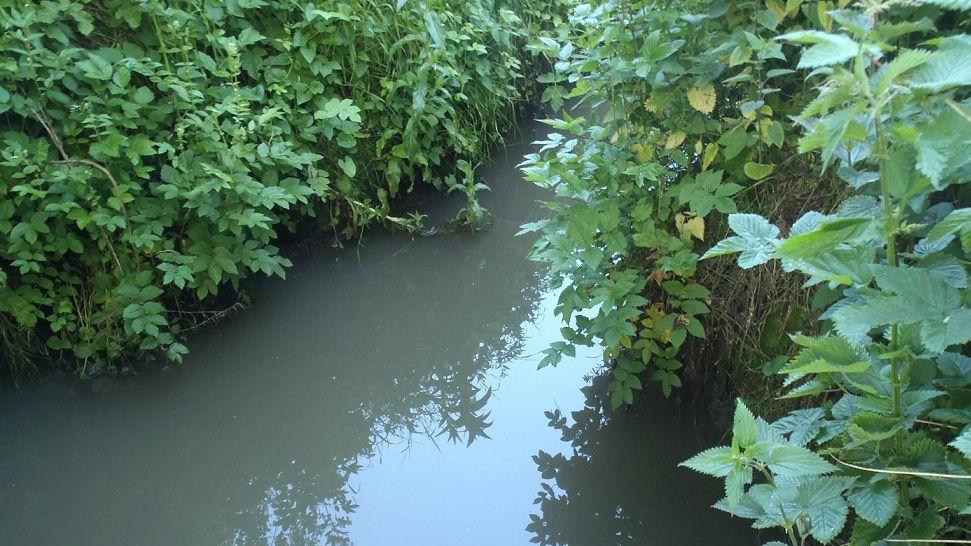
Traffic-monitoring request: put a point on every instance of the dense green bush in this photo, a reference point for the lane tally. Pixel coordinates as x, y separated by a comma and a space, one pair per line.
675, 111
153, 152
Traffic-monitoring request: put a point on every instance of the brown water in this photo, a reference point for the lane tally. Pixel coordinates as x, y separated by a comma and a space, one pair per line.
381, 395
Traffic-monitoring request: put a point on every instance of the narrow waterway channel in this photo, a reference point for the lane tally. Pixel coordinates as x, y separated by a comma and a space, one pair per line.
385, 394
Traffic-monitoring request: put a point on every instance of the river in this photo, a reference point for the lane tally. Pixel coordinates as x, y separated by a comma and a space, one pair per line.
383, 394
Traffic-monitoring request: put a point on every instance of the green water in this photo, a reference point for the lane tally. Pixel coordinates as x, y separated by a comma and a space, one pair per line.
385, 394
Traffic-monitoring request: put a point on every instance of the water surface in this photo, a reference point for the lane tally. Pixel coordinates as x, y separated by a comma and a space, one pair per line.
385, 394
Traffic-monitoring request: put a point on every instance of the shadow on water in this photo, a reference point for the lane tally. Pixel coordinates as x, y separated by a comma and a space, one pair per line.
371, 376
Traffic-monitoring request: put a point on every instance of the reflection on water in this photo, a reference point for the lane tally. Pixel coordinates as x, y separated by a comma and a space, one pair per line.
618, 482
381, 395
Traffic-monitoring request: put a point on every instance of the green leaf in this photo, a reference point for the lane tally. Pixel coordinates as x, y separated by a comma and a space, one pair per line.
950, 4
96, 67
755, 240
876, 502
793, 461
827, 49
822, 500
949, 67
758, 171
745, 429
716, 461
830, 234
347, 165
963, 442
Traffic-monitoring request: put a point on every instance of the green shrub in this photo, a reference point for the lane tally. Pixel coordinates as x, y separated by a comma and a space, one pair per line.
153, 153
883, 454
674, 111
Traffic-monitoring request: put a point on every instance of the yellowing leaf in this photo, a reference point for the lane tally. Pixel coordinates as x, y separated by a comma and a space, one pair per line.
696, 227
777, 7
822, 9
792, 7
711, 150
702, 98
758, 171
675, 139
643, 152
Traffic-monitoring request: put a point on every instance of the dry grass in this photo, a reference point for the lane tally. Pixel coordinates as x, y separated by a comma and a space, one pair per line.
754, 310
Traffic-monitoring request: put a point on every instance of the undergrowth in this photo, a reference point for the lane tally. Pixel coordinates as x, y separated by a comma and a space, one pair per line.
153, 153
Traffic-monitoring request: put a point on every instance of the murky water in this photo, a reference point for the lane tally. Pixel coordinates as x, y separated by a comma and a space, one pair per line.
381, 395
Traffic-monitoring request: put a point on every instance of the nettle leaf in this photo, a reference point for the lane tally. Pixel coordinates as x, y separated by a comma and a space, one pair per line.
876, 502
756, 240
950, 4
822, 500
910, 296
957, 221
900, 65
735, 482
830, 234
716, 461
793, 461
963, 442
745, 428
802, 426
949, 67
826, 354
826, 49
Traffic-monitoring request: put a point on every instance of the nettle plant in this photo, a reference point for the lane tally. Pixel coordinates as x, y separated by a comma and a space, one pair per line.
664, 118
889, 435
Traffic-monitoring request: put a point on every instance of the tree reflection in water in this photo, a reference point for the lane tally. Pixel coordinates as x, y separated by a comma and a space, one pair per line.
311, 502
619, 483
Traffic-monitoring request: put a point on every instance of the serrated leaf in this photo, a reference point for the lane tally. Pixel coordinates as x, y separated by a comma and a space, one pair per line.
794, 461
963, 442
826, 49
950, 4
716, 461
745, 429
755, 240
825, 238
876, 503
822, 500
702, 98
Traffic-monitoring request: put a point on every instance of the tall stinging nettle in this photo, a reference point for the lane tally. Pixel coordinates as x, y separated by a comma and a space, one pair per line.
890, 436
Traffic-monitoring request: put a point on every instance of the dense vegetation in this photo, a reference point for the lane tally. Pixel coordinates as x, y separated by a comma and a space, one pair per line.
681, 113
153, 154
